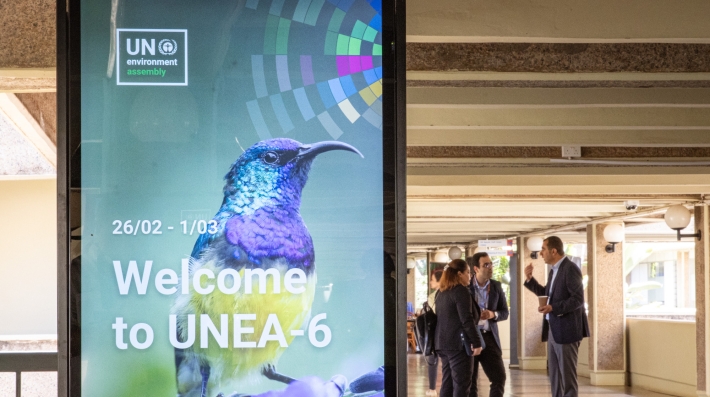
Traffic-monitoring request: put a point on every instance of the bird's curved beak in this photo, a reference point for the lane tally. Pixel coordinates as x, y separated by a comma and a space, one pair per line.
317, 148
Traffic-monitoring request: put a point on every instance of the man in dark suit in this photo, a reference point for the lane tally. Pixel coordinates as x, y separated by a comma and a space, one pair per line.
565, 321
491, 299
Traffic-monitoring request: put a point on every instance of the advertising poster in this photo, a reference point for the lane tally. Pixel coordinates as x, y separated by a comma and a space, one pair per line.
231, 198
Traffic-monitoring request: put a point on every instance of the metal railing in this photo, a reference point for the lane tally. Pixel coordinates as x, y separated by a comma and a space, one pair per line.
19, 362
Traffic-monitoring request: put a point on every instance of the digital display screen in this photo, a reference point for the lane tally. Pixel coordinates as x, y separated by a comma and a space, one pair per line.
231, 184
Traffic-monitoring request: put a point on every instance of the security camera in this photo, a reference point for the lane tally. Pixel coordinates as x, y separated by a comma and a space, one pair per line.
631, 205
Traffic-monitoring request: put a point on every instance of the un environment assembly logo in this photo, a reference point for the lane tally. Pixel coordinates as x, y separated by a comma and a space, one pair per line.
151, 57
167, 47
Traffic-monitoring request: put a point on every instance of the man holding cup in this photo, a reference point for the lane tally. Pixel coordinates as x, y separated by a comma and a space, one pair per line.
565, 320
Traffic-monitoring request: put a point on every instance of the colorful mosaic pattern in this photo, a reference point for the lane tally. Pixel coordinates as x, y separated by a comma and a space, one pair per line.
334, 78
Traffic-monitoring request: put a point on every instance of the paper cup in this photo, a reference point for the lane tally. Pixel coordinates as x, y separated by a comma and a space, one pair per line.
542, 301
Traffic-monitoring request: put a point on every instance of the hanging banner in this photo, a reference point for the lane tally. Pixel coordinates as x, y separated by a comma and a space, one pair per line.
230, 172
499, 252
495, 243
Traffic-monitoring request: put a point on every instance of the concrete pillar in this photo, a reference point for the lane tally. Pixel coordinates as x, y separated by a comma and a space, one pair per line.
515, 291
607, 344
532, 352
702, 300
411, 288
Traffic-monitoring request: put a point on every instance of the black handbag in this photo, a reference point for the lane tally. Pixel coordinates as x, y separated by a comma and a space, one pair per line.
425, 329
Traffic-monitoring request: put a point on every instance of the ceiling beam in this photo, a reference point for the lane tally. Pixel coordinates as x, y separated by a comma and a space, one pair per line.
583, 117
552, 135
28, 80
464, 209
508, 218
534, 154
552, 21
478, 79
557, 180
603, 219
525, 117
559, 76
559, 58
502, 201
490, 96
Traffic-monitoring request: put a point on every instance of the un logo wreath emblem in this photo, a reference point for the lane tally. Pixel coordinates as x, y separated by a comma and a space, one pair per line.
167, 47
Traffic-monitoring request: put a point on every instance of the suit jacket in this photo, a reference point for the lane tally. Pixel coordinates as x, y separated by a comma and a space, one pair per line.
456, 312
496, 303
568, 320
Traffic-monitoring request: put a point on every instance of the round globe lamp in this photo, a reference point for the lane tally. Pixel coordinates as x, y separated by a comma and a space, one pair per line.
677, 217
534, 245
411, 263
613, 234
455, 253
441, 257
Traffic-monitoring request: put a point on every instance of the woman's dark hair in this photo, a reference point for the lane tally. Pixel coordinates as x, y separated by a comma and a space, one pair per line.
437, 274
450, 278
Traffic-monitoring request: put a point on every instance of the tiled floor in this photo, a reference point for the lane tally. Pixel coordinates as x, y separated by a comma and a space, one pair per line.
519, 383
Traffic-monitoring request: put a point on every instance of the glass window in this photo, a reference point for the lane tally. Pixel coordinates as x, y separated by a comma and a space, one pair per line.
577, 253
660, 278
421, 283
501, 272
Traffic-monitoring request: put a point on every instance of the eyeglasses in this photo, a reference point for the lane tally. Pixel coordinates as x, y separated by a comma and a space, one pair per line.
487, 265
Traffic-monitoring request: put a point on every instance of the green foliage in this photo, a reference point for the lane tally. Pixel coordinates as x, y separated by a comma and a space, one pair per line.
501, 268
501, 272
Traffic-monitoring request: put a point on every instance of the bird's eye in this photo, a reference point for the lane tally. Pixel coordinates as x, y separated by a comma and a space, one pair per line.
270, 157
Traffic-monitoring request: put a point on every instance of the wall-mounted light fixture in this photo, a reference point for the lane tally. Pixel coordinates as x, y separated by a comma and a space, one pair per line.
455, 252
534, 245
613, 234
411, 264
677, 218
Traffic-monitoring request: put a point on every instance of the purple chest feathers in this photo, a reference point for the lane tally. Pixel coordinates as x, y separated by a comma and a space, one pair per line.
272, 233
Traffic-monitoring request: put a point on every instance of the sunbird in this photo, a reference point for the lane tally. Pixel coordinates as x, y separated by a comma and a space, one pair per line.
258, 226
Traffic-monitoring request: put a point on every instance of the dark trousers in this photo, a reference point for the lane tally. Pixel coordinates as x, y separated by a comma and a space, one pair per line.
432, 364
491, 359
562, 367
457, 369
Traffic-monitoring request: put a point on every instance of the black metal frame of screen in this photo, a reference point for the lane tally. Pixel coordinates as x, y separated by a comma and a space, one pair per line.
69, 195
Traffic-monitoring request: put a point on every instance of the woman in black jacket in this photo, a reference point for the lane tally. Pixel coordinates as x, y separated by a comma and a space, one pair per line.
456, 313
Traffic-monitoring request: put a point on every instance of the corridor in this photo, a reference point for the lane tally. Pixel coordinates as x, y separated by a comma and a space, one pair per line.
519, 383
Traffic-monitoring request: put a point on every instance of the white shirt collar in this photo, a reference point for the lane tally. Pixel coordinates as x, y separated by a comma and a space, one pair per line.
557, 265
484, 285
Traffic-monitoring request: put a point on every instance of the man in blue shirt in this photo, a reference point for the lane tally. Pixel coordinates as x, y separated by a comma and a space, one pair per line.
494, 308
565, 321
